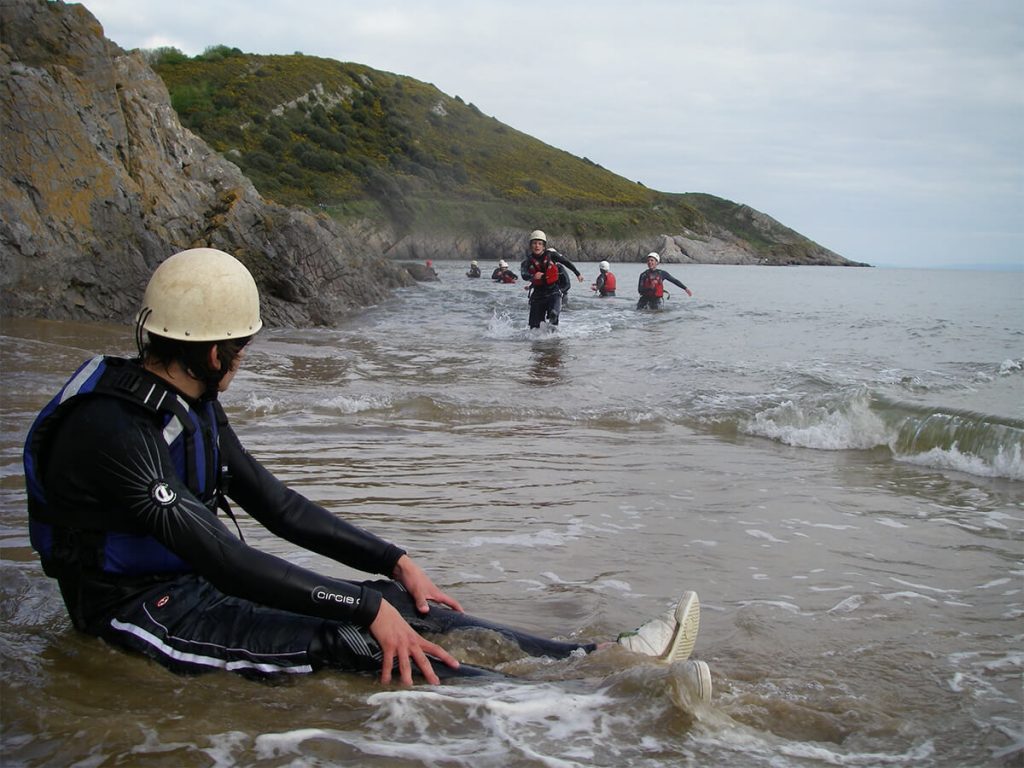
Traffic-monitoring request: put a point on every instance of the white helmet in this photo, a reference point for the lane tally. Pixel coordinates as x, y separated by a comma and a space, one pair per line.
538, 235
653, 255
502, 263
473, 263
604, 266
201, 294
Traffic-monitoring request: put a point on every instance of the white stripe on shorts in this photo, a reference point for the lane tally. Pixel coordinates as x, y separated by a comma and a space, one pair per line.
205, 661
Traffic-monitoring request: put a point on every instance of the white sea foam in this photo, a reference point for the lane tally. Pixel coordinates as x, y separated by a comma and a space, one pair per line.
547, 537
752, 747
542, 538
554, 578
907, 595
225, 746
502, 326
261, 405
829, 526
482, 725
764, 535
994, 583
849, 605
1007, 463
782, 604
915, 755
604, 586
923, 587
347, 404
850, 424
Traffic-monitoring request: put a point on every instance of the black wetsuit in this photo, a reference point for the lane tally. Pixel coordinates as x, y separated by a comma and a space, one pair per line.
649, 286
545, 299
474, 271
144, 562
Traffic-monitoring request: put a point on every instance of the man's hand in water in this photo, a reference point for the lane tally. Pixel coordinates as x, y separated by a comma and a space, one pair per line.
420, 586
401, 644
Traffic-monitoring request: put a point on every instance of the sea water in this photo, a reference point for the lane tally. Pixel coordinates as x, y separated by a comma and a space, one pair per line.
831, 457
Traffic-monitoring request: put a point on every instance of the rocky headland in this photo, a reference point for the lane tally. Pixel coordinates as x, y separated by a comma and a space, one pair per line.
99, 182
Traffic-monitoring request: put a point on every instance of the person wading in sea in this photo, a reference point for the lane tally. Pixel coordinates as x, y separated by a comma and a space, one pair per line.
126, 470
605, 282
502, 274
651, 284
540, 270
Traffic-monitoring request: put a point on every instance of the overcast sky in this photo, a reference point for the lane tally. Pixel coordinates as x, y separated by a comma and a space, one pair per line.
890, 131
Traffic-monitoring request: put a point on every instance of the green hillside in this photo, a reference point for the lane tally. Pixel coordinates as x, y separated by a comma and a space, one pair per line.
358, 142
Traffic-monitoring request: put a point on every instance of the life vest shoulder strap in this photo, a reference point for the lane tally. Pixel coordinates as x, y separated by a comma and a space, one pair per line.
111, 377
61, 547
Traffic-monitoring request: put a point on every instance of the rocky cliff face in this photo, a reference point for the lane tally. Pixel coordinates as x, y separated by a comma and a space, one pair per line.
717, 246
99, 182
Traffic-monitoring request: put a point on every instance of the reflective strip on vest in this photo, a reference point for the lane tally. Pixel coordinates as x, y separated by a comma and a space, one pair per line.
79, 380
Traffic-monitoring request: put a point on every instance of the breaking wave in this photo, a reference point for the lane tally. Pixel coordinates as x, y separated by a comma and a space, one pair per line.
965, 441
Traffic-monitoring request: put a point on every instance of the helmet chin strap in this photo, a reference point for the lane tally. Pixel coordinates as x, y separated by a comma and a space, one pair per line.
212, 389
210, 376
210, 381
140, 321
214, 376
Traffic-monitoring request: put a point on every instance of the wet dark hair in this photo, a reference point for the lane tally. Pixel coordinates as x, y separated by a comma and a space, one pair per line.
193, 356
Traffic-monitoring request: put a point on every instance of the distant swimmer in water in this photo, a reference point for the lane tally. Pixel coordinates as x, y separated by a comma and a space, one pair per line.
474, 270
128, 467
540, 270
651, 284
605, 283
503, 274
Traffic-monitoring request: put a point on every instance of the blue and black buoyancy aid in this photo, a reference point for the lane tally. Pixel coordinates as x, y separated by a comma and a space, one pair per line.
191, 437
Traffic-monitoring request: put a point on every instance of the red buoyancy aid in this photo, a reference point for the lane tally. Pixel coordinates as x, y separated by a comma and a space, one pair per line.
652, 284
508, 276
609, 281
543, 270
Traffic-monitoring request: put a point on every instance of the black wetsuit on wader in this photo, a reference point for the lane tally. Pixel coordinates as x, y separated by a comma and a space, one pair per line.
125, 476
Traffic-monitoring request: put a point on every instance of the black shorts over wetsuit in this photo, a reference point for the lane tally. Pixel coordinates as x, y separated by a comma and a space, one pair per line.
145, 563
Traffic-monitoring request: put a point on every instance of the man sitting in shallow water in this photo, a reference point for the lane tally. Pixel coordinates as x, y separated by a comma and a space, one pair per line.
128, 466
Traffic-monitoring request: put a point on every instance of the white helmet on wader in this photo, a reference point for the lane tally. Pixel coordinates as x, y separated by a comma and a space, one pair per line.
604, 266
201, 294
538, 235
653, 255
502, 263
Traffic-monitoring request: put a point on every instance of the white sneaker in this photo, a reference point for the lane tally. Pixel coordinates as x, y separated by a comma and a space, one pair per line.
698, 678
688, 617
669, 637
